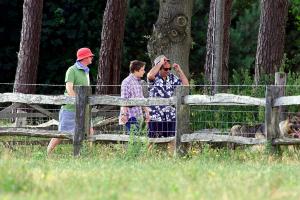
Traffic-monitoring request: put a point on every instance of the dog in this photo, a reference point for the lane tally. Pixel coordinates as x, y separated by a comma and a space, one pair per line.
250, 131
288, 128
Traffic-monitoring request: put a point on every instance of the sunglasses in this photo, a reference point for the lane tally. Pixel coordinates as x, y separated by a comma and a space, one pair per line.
166, 69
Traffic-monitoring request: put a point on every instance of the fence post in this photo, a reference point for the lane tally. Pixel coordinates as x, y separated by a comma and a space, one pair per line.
271, 117
280, 82
82, 117
182, 119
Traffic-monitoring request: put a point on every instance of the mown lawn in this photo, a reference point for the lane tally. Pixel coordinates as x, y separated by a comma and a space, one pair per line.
110, 172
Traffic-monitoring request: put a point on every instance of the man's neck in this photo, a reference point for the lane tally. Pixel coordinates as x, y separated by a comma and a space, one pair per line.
135, 75
84, 63
163, 77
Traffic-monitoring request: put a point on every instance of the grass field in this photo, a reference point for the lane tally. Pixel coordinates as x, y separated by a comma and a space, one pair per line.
115, 172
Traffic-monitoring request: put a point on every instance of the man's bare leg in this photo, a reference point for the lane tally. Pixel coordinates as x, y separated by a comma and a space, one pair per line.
52, 144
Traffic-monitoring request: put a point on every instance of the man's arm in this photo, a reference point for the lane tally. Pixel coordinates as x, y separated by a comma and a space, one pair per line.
181, 75
70, 89
152, 73
147, 114
124, 94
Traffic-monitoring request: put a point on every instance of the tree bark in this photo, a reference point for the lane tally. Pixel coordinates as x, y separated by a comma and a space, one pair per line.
217, 46
226, 42
111, 47
172, 32
28, 56
270, 45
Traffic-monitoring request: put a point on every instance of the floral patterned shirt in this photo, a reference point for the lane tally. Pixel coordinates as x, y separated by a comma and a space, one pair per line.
163, 89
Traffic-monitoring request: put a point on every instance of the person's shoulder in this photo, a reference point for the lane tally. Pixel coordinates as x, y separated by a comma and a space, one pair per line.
126, 80
157, 77
72, 68
173, 76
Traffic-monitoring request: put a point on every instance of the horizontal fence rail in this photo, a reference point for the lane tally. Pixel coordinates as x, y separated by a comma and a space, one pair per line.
223, 99
287, 100
208, 137
34, 132
36, 99
13, 115
118, 101
126, 138
217, 99
286, 141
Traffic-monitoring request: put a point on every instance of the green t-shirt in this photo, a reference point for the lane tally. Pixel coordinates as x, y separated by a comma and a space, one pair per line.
77, 77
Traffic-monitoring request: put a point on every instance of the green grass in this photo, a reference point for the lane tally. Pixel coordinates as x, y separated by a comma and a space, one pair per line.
108, 172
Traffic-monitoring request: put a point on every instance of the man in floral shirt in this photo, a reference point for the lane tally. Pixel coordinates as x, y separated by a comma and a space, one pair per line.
162, 83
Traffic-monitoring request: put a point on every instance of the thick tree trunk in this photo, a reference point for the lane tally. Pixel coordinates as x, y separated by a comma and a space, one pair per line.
270, 46
111, 47
217, 46
172, 32
28, 56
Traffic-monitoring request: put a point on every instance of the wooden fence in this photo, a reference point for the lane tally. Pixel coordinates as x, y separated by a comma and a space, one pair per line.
83, 101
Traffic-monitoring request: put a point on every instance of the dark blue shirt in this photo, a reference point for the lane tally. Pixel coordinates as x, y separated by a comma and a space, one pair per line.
163, 89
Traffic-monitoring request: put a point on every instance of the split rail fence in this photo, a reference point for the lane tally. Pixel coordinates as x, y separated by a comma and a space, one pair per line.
83, 101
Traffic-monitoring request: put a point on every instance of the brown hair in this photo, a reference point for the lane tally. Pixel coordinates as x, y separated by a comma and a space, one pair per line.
136, 65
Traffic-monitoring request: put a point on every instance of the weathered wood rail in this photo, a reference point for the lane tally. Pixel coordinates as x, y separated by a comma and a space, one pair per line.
33, 133
223, 99
83, 102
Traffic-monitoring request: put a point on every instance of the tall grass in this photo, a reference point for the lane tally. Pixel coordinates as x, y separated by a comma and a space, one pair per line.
103, 173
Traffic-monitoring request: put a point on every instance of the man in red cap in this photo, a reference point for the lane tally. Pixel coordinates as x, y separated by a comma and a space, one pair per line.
77, 74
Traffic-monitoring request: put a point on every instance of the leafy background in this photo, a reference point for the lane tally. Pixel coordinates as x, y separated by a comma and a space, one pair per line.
69, 24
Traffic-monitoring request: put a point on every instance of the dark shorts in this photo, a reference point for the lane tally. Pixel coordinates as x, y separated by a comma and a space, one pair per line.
132, 124
161, 129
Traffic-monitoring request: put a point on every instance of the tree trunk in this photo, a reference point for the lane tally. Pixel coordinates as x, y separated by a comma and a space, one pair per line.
172, 32
111, 47
28, 56
217, 46
270, 45
226, 43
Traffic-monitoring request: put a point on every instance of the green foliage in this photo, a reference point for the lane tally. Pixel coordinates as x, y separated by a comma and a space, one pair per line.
10, 26
137, 147
139, 23
66, 27
243, 37
292, 45
295, 11
198, 33
69, 24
